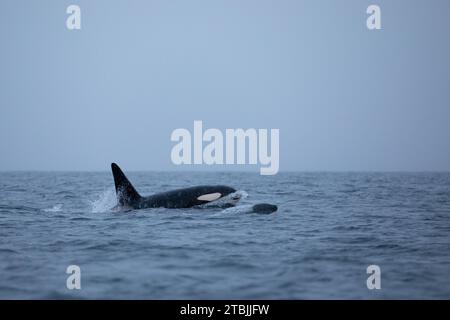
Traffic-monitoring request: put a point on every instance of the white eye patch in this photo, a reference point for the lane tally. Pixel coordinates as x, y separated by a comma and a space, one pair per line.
210, 196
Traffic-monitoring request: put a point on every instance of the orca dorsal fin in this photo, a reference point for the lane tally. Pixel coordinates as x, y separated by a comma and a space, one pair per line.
126, 193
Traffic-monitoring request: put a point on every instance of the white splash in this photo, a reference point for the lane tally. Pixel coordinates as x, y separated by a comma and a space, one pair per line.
105, 201
56, 208
241, 194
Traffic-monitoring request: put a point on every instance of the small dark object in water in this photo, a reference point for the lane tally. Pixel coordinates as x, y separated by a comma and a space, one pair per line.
265, 208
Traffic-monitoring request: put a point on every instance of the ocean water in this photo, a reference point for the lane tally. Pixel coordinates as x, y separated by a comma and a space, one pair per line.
329, 228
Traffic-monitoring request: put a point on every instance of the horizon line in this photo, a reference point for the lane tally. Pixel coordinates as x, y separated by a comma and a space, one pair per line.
233, 171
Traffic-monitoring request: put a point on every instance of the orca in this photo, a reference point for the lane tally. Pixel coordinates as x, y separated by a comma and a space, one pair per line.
207, 195
128, 197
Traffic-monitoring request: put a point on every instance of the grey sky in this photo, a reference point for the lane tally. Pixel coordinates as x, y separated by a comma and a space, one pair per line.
343, 97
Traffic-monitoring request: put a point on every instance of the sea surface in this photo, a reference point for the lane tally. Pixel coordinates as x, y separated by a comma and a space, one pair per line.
329, 228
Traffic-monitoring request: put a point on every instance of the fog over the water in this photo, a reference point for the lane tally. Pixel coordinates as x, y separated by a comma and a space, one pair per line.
343, 97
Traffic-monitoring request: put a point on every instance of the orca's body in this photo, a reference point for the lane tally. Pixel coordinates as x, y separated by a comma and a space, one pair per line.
127, 196
224, 196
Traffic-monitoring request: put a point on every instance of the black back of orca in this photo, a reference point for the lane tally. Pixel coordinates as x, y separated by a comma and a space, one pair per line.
180, 198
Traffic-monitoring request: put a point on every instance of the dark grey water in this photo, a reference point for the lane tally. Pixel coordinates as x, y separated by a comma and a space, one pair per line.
329, 228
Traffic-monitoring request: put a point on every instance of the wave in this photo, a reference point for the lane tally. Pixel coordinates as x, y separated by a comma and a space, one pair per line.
55, 208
